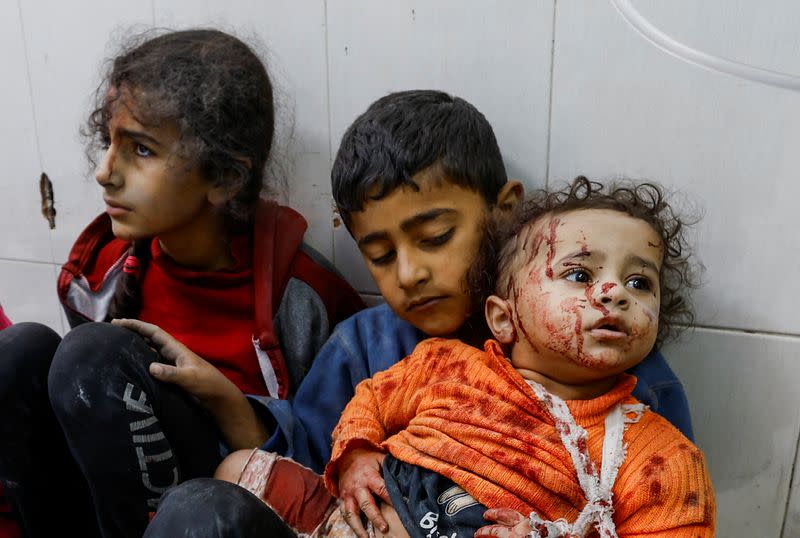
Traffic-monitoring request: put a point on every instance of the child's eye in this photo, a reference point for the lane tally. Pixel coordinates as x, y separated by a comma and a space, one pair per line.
383, 260
143, 151
105, 141
439, 239
640, 283
579, 275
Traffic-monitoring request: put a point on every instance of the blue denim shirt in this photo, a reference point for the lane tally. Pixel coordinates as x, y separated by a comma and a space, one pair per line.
373, 340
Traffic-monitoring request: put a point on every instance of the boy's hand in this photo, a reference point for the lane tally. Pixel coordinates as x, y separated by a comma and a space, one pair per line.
190, 372
359, 479
510, 524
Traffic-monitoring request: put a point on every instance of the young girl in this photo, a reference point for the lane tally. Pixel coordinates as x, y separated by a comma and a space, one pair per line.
540, 427
100, 424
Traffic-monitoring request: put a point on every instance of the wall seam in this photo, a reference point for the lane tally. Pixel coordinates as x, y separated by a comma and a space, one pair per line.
25, 260
739, 330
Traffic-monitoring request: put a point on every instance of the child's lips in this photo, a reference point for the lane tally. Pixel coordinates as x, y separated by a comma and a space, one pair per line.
607, 335
609, 328
424, 303
114, 208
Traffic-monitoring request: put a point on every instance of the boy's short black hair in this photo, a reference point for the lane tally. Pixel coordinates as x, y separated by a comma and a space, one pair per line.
405, 132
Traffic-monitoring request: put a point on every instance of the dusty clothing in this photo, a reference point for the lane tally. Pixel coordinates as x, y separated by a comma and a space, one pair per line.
469, 416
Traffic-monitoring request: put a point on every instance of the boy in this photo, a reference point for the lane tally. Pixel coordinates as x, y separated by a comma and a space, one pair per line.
588, 280
415, 179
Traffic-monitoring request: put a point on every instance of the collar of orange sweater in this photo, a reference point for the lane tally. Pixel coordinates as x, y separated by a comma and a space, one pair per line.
585, 412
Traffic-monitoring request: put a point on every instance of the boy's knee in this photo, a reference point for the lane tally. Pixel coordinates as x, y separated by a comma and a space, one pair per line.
231, 467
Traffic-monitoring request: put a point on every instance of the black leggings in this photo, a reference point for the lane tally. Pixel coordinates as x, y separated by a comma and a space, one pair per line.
88, 439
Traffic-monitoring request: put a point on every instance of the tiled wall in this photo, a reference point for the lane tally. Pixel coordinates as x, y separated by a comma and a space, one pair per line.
570, 89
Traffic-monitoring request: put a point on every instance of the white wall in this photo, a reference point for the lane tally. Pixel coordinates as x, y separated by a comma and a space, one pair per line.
569, 89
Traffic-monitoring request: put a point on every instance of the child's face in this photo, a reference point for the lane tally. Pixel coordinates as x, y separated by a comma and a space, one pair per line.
419, 245
149, 191
584, 295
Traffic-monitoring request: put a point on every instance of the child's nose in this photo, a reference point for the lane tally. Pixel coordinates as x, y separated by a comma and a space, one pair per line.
612, 293
410, 271
105, 172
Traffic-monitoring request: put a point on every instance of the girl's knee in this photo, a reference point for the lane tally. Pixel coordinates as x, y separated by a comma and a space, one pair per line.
26, 351
92, 341
91, 348
87, 364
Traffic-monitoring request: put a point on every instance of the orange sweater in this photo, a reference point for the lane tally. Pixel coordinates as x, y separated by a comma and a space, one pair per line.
468, 415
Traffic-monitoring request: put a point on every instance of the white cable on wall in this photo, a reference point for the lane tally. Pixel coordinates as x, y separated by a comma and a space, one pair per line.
702, 59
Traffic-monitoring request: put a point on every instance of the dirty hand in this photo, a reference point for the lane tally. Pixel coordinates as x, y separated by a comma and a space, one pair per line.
192, 373
509, 524
359, 479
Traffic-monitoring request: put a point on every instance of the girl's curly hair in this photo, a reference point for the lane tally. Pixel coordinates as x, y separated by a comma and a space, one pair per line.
218, 93
645, 201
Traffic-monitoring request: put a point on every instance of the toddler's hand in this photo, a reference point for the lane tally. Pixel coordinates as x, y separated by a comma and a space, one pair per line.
195, 375
359, 479
510, 524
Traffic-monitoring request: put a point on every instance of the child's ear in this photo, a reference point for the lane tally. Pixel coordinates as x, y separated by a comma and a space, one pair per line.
220, 194
499, 319
509, 196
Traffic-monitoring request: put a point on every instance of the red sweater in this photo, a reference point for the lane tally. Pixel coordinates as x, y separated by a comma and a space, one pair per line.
209, 312
226, 317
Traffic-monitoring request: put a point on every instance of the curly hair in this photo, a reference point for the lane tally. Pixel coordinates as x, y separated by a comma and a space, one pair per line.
645, 201
217, 92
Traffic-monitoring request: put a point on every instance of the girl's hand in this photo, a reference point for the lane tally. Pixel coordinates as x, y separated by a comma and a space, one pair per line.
510, 524
359, 479
190, 372
236, 418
